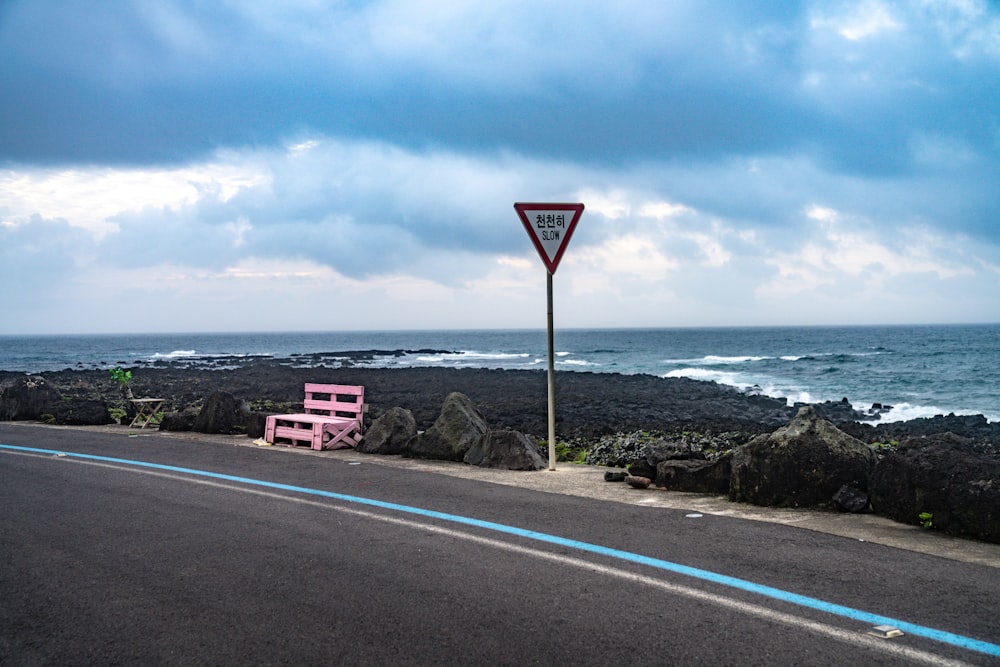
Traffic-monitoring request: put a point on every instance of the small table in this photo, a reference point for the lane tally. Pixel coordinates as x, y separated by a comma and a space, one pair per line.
145, 410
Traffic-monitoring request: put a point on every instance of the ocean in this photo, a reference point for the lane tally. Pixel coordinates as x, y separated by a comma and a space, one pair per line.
921, 371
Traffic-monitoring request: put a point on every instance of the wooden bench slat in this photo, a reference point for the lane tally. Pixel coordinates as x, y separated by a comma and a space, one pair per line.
327, 406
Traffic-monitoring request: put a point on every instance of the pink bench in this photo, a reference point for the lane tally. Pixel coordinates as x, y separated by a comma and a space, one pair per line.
333, 419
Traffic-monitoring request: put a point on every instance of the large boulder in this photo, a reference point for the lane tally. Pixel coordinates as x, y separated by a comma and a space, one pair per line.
35, 398
81, 412
222, 413
804, 463
696, 475
506, 449
28, 398
180, 421
675, 462
952, 480
454, 432
257, 423
390, 433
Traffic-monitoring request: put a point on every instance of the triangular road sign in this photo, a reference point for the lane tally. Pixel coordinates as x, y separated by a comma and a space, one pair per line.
550, 227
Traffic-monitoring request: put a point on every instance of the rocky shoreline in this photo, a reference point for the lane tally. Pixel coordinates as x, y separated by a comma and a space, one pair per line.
588, 405
683, 434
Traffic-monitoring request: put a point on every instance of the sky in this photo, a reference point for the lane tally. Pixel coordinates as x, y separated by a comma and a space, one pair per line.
248, 165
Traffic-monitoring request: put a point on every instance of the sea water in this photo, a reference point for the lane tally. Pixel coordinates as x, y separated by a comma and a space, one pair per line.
920, 370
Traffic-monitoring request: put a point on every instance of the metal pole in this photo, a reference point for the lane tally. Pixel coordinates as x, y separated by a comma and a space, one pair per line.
552, 382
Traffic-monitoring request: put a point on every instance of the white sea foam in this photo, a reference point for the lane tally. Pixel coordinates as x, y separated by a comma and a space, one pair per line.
471, 359
472, 354
176, 354
793, 396
742, 381
576, 362
714, 360
905, 411
708, 375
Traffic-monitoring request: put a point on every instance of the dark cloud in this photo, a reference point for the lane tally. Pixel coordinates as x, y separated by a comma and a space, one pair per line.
127, 82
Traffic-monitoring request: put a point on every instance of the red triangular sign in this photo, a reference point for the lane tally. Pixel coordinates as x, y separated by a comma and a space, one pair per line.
550, 227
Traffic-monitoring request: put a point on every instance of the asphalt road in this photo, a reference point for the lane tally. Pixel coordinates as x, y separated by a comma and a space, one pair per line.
156, 550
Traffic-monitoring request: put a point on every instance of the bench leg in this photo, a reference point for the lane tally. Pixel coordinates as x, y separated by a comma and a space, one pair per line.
341, 434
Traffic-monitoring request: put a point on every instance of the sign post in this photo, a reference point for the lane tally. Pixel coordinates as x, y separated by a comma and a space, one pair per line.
550, 227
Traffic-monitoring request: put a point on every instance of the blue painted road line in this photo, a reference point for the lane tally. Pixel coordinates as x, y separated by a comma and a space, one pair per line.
704, 575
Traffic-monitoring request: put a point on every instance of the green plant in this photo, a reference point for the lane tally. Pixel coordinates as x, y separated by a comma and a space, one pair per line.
926, 519
121, 376
565, 452
124, 380
883, 446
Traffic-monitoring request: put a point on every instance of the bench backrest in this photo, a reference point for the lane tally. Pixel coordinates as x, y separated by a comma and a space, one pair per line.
336, 400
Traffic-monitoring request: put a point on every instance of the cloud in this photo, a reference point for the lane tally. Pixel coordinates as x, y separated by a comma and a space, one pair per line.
839, 253
864, 20
749, 163
91, 198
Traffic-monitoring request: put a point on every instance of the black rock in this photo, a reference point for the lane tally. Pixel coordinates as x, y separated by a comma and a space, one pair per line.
696, 475
391, 433
179, 421
28, 397
81, 412
507, 450
642, 469
953, 481
222, 413
802, 464
851, 499
454, 432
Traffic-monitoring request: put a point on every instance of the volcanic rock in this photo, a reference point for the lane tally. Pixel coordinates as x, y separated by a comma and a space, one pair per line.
697, 475
637, 482
222, 413
81, 412
851, 499
390, 433
28, 397
456, 430
507, 450
179, 421
953, 479
802, 464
